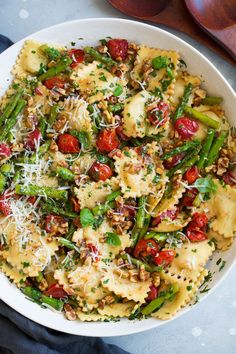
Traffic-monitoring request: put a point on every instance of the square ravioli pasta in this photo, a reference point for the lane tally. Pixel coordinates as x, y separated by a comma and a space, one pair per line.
116, 180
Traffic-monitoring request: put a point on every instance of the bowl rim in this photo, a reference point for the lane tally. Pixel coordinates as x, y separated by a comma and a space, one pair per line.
133, 329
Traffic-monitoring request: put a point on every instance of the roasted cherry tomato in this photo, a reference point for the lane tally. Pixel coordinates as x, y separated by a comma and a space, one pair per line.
195, 235
5, 206
186, 127
77, 55
152, 294
118, 48
100, 171
146, 248
107, 140
5, 151
199, 220
229, 179
120, 133
170, 214
192, 174
94, 251
164, 257
173, 161
55, 290
68, 144
53, 222
55, 81
159, 115
189, 197
33, 139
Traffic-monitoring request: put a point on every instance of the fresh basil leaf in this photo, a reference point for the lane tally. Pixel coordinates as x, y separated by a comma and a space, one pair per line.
205, 185
118, 90
113, 239
84, 139
160, 62
86, 217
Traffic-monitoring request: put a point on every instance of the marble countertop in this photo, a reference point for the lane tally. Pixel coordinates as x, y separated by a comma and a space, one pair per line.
209, 327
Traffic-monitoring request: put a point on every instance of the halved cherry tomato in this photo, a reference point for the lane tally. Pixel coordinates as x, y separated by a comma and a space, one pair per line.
170, 214
159, 115
229, 178
120, 133
94, 251
199, 220
107, 140
195, 235
33, 139
118, 48
55, 290
68, 144
152, 294
173, 161
192, 174
164, 257
100, 171
189, 197
52, 222
75, 204
5, 150
186, 127
146, 248
5, 206
55, 81
77, 55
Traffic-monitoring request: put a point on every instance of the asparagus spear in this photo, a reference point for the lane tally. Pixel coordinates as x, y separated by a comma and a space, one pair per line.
185, 147
47, 208
47, 192
113, 196
215, 148
57, 69
159, 301
206, 148
145, 227
212, 100
65, 174
185, 164
9, 124
103, 208
3, 182
212, 123
39, 297
53, 115
141, 212
10, 106
43, 126
97, 56
6, 169
180, 109
157, 236
139, 263
68, 244
116, 107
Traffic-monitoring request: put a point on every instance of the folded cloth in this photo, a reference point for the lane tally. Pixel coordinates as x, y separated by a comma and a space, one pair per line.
18, 335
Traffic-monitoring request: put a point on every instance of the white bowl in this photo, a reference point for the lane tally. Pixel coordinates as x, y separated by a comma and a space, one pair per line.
91, 30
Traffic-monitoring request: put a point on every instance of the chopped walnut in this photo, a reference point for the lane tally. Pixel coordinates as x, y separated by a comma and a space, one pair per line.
123, 274
53, 146
81, 179
70, 312
31, 121
60, 123
109, 299
118, 220
119, 262
222, 165
156, 280
143, 274
133, 168
17, 147
134, 275
43, 284
102, 49
200, 94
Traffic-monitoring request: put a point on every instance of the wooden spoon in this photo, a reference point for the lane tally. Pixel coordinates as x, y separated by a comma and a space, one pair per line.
218, 18
173, 14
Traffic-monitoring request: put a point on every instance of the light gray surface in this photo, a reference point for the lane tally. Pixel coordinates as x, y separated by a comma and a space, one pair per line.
209, 327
